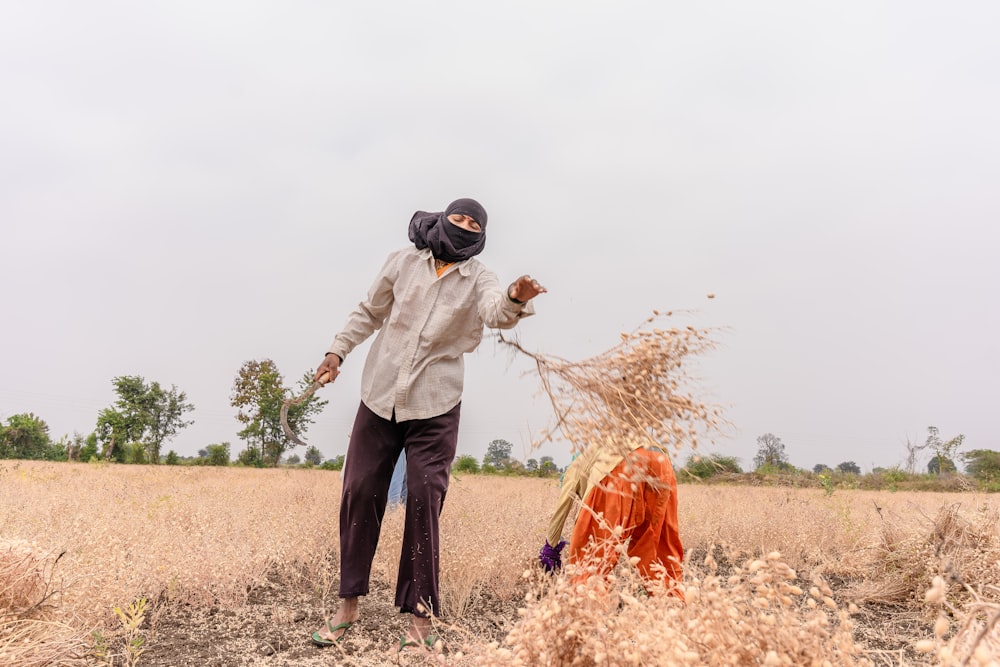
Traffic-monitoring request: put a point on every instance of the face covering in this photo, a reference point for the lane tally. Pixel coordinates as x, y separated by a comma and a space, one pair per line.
447, 240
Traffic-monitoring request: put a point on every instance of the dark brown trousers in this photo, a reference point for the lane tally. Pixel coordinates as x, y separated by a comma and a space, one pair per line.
375, 445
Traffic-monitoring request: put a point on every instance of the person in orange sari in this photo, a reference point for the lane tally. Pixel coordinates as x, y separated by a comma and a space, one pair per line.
630, 490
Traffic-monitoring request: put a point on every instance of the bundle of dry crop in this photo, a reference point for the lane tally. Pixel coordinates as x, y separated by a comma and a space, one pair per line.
965, 594
30, 633
963, 545
640, 390
964, 633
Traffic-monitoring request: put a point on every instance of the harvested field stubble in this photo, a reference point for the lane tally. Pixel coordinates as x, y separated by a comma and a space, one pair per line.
493, 527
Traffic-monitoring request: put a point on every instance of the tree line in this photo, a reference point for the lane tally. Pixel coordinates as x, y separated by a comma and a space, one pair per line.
981, 465
146, 415
498, 461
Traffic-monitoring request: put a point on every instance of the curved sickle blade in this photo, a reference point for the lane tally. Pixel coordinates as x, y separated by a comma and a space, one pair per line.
289, 402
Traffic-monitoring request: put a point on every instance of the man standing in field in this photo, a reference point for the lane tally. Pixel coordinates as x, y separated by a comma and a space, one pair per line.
429, 304
628, 493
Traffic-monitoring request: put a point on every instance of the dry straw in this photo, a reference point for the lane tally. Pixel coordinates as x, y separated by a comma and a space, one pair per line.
31, 634
753, 614
639, 390
959, 553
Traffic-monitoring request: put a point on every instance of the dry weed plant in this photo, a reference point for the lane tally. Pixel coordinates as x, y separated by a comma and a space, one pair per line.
909, 554
32, 631
975, 618
755, 615
958, 554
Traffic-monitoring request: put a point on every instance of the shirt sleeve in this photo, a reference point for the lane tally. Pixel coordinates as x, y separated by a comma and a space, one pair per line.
495, 309
370, 313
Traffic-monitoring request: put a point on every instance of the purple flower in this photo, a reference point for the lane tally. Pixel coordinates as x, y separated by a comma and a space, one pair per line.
550, 556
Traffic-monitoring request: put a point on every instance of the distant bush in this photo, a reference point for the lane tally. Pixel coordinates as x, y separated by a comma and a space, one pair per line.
218, 454
704, 467
336, 463
466, 464
251, 458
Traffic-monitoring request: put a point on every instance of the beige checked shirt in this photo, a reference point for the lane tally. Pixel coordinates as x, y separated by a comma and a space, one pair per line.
426, 324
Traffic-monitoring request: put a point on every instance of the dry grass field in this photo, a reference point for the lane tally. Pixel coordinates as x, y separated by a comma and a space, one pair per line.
236, 567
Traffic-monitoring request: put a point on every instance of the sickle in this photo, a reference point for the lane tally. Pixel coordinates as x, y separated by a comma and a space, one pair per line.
289, 402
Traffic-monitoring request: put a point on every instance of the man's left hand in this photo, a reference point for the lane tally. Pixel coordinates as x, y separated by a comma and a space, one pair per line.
524, 289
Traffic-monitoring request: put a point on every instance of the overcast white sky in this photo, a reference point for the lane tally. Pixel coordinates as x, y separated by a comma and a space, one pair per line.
185, 186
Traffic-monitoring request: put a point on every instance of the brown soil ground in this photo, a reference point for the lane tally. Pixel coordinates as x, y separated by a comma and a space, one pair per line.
273, 629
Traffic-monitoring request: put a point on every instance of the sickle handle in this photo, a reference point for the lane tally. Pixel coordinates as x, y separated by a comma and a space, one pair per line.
288, 402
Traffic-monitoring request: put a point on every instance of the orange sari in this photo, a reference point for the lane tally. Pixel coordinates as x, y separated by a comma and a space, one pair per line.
640, 496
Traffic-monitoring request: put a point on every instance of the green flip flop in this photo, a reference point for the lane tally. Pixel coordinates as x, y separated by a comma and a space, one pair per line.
428, 642
323, 641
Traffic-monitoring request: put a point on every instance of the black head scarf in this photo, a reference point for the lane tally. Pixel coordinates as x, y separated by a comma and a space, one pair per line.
447, 240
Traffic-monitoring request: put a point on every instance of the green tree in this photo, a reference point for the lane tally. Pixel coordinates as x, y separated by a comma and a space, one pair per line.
939, 465
258, 392
74, 447
466, 464
770, 452
144, 413
120, 426
172, 459
821, 468
89, 451
849, 467
58, 450
135, 452
944, 451
983, 464
313, 456
531, 465
113, 431
547, 467
165, 410
498, 454
950, 449
25, 436
293, 460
